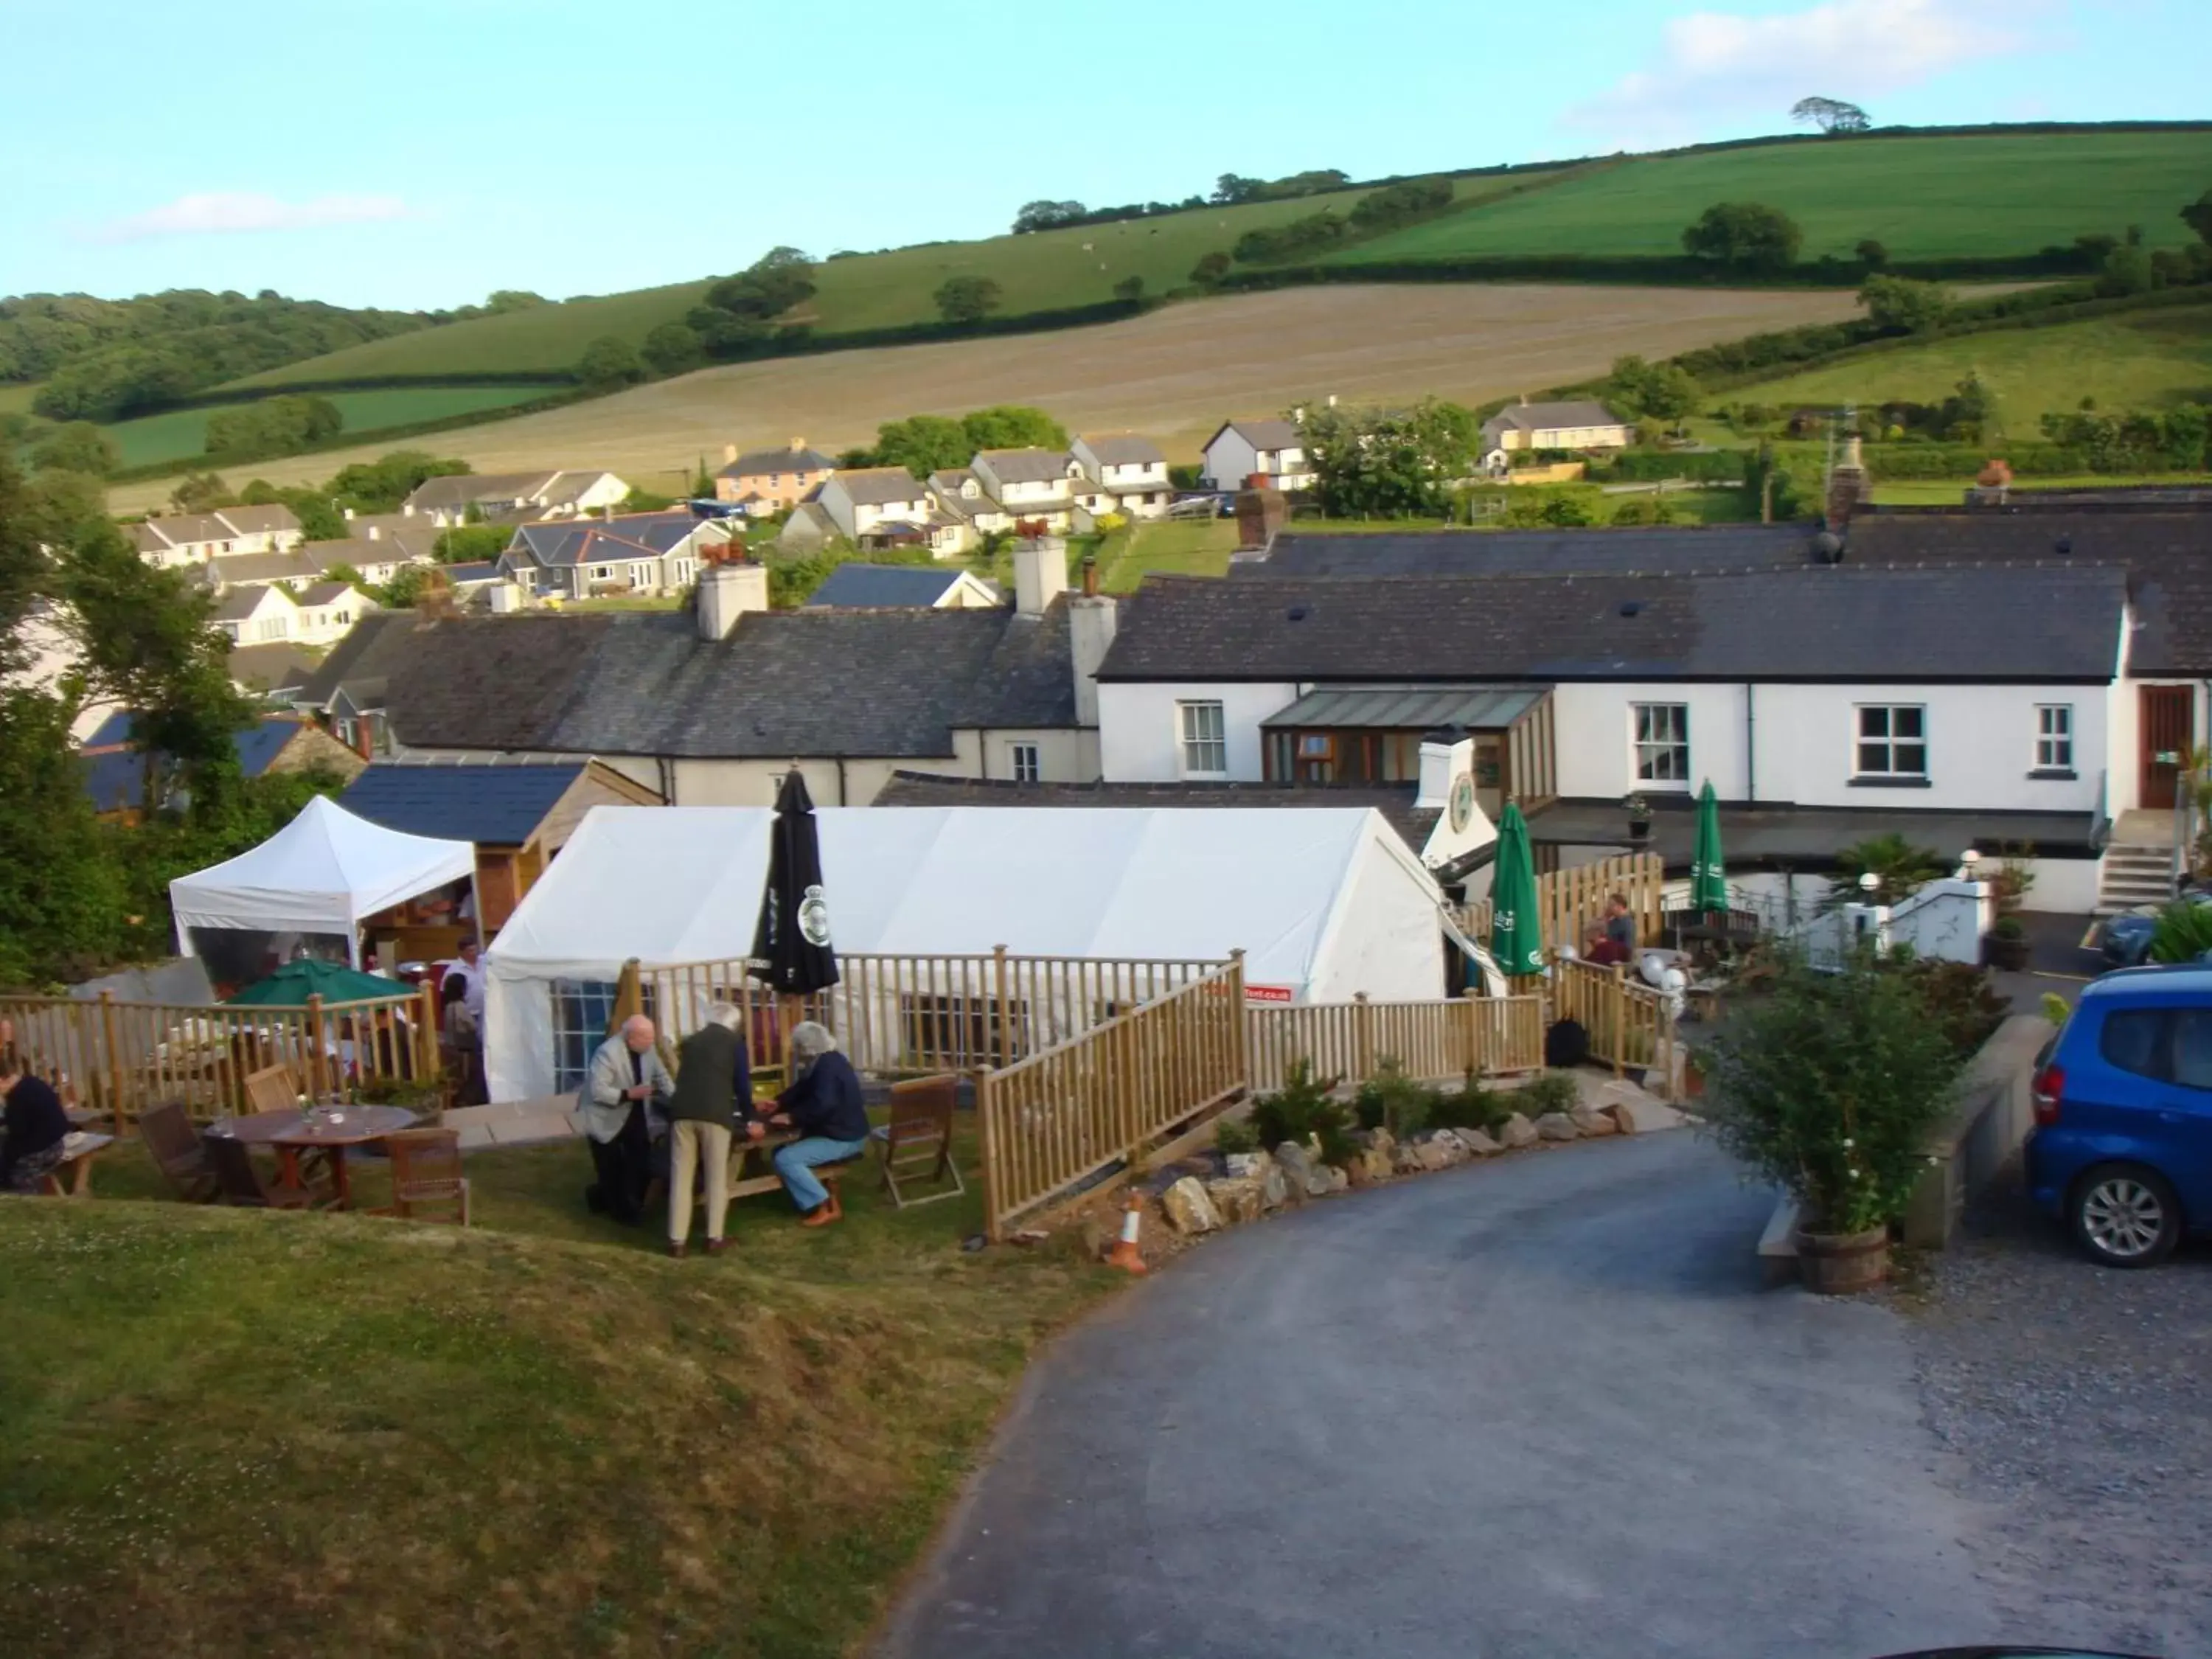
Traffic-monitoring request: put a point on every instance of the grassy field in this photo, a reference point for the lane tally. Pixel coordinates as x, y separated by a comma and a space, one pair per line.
1922, 197
181, 433
1176, 372
1950, 492
246, 1432
1047, 270
2147, 361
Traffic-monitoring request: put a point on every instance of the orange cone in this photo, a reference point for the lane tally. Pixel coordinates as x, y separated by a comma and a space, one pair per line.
1125, 1253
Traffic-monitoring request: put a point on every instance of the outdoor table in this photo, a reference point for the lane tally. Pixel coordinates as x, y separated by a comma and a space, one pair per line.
293, 1133
78, 1150
746, 1152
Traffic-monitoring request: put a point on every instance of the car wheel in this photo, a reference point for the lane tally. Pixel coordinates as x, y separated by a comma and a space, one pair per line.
2125, 1216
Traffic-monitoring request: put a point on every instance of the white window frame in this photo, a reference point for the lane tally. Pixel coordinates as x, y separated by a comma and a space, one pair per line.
1026, 761
1647, 752
1888, 740
1194, 740
2054, 737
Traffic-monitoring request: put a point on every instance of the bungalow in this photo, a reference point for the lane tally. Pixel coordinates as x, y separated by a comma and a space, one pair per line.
259, 614
1568, 426
511, 496
518, 817
1031, 485
712, 708
1271, 451
876, 585
767, 481
416, 538
638, 553
328, 610
191, 538
1128, 467
870, 502
115, 773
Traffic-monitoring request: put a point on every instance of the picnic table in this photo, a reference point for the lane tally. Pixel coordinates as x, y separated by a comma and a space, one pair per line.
331, 1131
79, 1148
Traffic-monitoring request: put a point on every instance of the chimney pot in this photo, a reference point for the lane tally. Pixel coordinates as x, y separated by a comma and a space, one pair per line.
1090, 576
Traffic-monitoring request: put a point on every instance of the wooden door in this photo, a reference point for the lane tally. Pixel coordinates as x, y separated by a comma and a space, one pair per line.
2168, 728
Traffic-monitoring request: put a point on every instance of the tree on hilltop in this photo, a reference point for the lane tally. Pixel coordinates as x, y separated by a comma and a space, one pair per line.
1830, 115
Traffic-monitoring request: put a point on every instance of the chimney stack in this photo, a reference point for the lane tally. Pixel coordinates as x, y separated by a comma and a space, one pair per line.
1040, 573
1446, 753
1261, 512
726, 592
729, 453
1849, 487
1092, 618
1992, 486
798, 444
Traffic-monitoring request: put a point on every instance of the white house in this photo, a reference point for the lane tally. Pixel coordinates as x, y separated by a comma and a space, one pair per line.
1128, 467
499, 497
1032, 485
1566, 426
958, 493
328, 610
1271, 450
190, 538
263, 614
872, 501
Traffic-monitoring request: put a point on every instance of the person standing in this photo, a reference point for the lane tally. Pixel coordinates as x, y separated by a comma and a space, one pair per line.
32, 1128
461, 1011
712, 1079
825, 1105
1620, 925
623, 1092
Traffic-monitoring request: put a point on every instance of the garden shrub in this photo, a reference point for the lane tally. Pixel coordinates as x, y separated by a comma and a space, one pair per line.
1391, 1100
2183, 932
1235, 1134
1470, 1106
1554, 1091
1294, 1111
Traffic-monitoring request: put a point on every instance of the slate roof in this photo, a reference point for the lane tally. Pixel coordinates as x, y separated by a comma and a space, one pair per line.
1013, 466
178, 529
563, 542
491, 806
299, 565
861, 585
879, 486
1264, 435
1122, 448
762, 462
1536, 552
364, 657
117, 780
462, 488
568, 486
1528, 418
239, 603
461, 575
274, 666
358, 552
260, 520
859, 683
1395, 803
2037, 625
325, 593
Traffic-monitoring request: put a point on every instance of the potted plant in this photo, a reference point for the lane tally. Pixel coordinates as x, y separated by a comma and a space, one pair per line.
1639, 817
2006, 947
1829, 1086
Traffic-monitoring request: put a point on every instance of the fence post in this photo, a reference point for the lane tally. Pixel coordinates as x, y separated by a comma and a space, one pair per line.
999, 1000
426, 1034
114, 1056
1240, 1052
986, 1124
1619, 1021
1363, 1036
315, 1090
1472, 1028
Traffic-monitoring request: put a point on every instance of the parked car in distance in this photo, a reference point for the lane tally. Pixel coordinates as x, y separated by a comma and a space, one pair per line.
2121, 1147
2123, 940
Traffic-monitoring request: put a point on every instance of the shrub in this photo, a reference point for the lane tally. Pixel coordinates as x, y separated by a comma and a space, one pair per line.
1391, 1100
1235, 1134
1554, 1091
2183, 933
1305, 1110
1959, 998
1470, 1106
1829, 1085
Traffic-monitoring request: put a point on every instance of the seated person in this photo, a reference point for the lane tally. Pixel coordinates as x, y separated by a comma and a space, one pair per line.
825, 1105
32, 1128
1602, 950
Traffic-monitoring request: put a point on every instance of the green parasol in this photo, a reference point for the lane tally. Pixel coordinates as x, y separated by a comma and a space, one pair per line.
1516, 936
1708, 883
290, 986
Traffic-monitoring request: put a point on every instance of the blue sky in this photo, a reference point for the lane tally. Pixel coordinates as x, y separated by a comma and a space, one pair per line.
420, 153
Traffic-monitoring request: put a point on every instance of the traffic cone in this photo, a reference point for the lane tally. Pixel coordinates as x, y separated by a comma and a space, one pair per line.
1125, 1253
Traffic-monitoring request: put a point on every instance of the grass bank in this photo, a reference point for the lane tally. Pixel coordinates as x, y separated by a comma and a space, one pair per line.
232, 1432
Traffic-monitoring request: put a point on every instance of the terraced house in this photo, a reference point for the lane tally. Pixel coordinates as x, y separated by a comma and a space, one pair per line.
190, 538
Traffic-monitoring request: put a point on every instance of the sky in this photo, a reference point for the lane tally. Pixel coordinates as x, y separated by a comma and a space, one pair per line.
418, 153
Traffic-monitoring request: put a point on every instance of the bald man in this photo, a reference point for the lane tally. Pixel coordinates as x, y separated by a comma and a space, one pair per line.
621, 1098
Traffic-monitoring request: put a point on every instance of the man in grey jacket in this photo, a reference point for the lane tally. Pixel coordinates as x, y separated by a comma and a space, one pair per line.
622, 1097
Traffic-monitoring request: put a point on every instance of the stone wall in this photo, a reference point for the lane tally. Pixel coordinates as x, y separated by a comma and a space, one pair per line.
1986, 1131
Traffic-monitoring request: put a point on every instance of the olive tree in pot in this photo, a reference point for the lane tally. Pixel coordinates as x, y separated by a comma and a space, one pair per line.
1829, 1085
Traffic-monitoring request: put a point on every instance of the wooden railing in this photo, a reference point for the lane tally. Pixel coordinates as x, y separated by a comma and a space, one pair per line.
1628, 1022
924, 1013
1353, 1041
1114, 1099
1570, 903
120, 1057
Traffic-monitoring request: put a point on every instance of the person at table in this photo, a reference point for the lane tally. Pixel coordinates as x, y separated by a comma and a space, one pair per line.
623, 1094
824, 1104
33, 1126
712, 1076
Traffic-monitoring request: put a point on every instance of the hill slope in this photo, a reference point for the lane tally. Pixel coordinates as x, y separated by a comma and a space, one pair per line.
1923, 197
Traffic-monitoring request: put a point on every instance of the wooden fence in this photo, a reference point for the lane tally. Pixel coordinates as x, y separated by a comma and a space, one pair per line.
1352, 1041
1628, 1022
1123, 1093
1570, 903
121, 1057
921, 1014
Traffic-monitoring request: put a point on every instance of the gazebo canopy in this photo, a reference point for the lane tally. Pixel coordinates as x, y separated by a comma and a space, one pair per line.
324, 872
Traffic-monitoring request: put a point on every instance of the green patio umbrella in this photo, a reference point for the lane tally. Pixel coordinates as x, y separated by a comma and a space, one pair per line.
1517, 935
1707, 879
290, 986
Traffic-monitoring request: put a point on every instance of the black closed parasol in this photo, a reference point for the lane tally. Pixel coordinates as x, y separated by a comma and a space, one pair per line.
791, 953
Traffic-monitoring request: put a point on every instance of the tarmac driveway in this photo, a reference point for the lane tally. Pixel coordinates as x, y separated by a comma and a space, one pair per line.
1537, 1407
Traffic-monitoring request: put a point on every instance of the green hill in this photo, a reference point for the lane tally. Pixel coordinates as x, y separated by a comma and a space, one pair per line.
1923, 197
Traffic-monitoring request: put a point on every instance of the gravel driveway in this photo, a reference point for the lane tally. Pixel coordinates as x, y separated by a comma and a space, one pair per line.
2078, 1403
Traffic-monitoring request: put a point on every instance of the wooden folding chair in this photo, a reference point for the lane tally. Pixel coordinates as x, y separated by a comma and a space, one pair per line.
242, 1182
426, 1174
917, 1141
167, 1133
272, 1089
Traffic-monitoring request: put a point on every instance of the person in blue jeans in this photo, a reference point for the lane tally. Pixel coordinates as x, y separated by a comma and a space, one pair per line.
824, 1104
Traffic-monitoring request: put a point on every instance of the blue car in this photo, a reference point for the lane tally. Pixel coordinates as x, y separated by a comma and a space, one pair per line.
2121, 1147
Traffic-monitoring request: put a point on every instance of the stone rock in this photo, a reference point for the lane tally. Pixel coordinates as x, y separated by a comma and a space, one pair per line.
1592, 1123
1406, 1158
1235, 1201
1275, 1191
1377, 1140
1441, 1153
1557, 1126
1644, 1117
1335, 1180
1516, 1131
1376, 1165
1296, 1161
1188, 1208
1478, 1144
1249, 1166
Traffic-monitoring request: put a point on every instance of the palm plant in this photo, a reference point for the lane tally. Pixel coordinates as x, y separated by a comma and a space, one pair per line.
1900, 870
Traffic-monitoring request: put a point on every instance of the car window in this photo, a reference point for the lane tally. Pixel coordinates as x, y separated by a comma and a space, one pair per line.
2192, 1048
2132, 1039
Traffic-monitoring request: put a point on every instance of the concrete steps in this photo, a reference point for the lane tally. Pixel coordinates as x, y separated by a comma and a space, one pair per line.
2132, 874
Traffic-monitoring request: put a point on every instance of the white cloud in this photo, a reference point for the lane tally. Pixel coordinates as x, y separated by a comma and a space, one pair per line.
222, 214
1712, 62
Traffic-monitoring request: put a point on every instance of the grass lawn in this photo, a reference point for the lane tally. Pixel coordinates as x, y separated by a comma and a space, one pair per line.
1951, 493
1923, 197
241, 1432
2147, 361
1182, 547
181, 433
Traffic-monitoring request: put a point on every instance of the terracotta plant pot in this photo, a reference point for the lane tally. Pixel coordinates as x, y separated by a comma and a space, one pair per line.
1843, 1264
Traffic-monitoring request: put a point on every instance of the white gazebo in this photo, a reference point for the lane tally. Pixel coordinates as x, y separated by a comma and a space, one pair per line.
326, 871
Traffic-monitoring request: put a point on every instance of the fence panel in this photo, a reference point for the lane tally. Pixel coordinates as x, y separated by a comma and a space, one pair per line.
1629, 1022
1351, 1041
1570, 903
1066, 1113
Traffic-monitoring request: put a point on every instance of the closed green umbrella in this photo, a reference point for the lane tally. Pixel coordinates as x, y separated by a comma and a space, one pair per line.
290, 986
1707, 878
1516, 936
